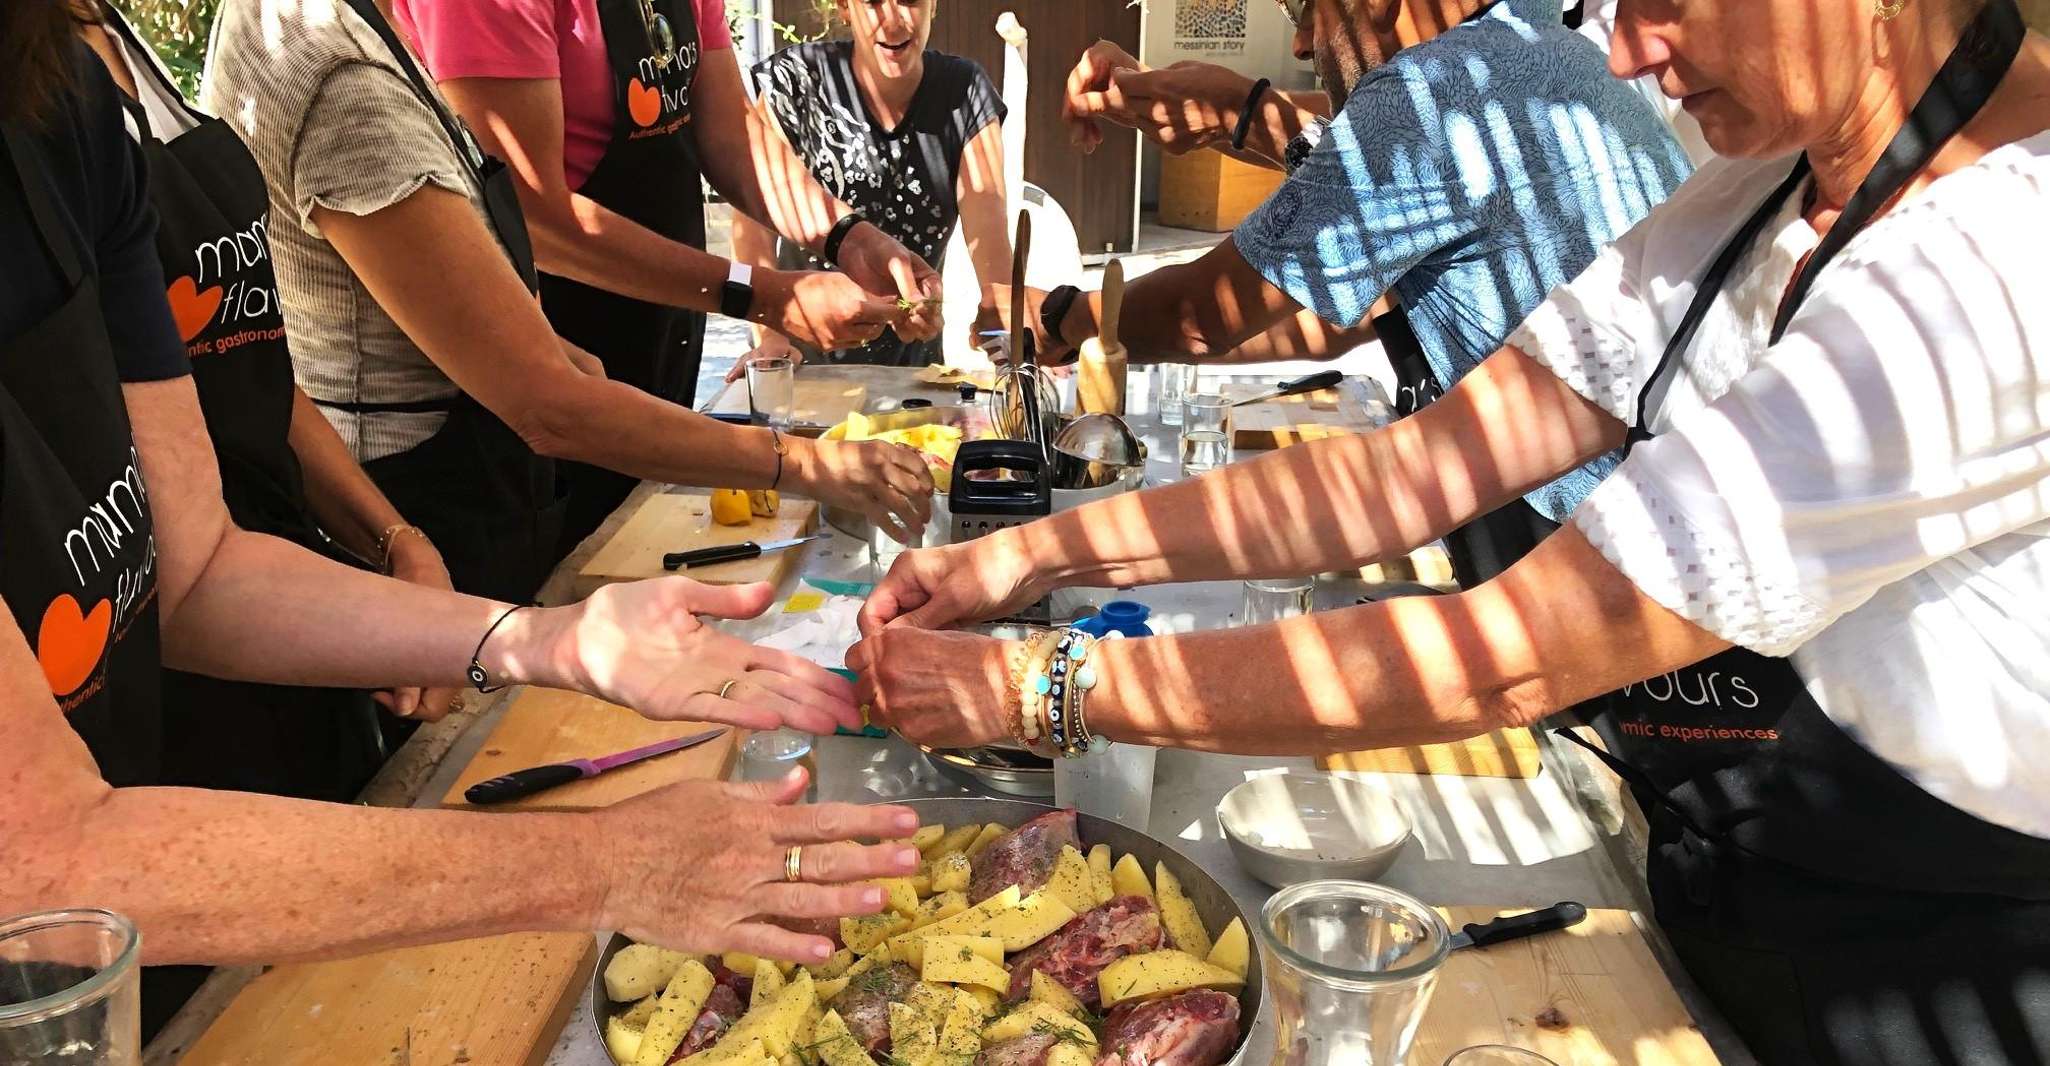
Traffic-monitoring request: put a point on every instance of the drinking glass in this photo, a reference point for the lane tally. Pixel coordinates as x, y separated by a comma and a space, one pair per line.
772, 390
1206, 433
1273, 599
1170, 384
1116, 783
69, 991
1351, 967
883, 549
770, 755
1497, 1055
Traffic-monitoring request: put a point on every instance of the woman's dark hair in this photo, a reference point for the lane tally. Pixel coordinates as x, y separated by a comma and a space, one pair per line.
35, 57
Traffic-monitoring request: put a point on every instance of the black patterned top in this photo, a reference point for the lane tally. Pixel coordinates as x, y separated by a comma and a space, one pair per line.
902, 179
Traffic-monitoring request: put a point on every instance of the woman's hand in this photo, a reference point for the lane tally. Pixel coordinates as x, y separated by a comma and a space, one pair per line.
989, 577
698, 866
641, 644
883, 266
823, 308
939, 688
888, 483
415, 561
771, 345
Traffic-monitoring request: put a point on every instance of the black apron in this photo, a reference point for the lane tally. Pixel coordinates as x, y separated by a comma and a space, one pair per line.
212, 212
490, 503
649, 175
79, 569
1833, 910
1491, 543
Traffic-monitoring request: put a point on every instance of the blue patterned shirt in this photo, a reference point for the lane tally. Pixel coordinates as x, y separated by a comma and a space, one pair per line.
1470, 174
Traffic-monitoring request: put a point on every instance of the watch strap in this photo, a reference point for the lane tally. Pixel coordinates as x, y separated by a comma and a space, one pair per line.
1053, 311
737, 296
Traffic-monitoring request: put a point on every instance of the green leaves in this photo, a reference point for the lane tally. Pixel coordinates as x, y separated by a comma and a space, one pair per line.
178, 30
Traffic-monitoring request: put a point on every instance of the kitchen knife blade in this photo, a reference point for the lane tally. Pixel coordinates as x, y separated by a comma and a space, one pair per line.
521, 783
1517, 926
727, 553
1317, 382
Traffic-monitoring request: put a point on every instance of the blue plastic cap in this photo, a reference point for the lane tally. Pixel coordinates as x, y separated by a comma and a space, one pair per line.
1124, 617
1125, 612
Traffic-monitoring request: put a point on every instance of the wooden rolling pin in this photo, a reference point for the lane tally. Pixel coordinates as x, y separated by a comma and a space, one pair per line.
1100, 381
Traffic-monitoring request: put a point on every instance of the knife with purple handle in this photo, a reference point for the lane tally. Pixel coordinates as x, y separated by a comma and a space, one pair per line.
521, 783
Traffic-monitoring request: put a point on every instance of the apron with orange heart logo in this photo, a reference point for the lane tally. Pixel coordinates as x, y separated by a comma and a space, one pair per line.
79, 567
650, 175
212, 217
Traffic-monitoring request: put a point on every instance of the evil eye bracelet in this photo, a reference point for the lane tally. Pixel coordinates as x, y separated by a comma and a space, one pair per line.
1071, 674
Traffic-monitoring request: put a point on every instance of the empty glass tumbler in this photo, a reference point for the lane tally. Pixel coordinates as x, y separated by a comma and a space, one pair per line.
772, 390
1351, 967
1206, 433
1273, 599
1170, 384
69, 991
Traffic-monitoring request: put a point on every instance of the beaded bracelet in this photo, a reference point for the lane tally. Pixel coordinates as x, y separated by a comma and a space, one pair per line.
1071, 676
1033, 686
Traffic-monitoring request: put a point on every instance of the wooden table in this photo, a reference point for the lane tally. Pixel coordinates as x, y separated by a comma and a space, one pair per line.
421, 761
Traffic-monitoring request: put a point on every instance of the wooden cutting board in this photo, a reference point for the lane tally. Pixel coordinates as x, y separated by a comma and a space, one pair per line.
1503, 753
819, 403
1294, 419
672, 522
544, 726
1609, 1002
490, 1001
485, 1002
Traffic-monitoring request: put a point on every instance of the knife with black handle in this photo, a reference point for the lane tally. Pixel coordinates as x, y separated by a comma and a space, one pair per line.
1517, 926
1317, 382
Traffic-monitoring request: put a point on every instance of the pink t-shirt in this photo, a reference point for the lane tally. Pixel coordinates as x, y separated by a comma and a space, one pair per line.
560, 39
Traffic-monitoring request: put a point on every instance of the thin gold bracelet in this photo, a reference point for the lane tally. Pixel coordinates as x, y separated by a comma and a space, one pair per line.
389, 538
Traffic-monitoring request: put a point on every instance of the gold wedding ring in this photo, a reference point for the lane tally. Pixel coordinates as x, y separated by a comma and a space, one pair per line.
793, 863
725, 688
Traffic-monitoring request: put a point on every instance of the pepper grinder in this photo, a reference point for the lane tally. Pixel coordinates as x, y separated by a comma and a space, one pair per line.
1100, 365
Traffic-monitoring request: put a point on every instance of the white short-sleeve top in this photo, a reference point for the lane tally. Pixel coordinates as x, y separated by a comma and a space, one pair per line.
1871, 495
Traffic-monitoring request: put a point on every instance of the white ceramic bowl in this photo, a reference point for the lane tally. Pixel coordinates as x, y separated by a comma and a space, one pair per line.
1294, 827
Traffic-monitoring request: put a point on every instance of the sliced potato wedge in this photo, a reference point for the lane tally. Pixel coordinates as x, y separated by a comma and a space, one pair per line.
1161, 973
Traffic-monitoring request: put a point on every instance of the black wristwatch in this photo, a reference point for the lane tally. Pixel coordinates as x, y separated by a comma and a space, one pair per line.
1301, 145
1054, 310
737, 296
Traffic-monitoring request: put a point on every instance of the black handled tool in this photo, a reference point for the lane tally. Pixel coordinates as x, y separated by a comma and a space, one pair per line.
727, 553
1317, 382
1517, 926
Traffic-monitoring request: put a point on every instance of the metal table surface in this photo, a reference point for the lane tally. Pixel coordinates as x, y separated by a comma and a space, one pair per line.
1479, 841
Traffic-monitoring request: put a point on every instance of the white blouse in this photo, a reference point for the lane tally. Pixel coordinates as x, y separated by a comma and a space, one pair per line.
1870, 496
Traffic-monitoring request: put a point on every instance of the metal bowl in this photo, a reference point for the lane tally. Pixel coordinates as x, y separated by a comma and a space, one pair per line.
1213, 903
1011, 771
1294, 827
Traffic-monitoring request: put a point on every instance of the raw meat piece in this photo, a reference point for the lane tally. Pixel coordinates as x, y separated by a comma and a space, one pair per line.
1025, 856
865, 1004
1192, 1029
722, 1008
1028, 1050
825, 927
1076, 954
